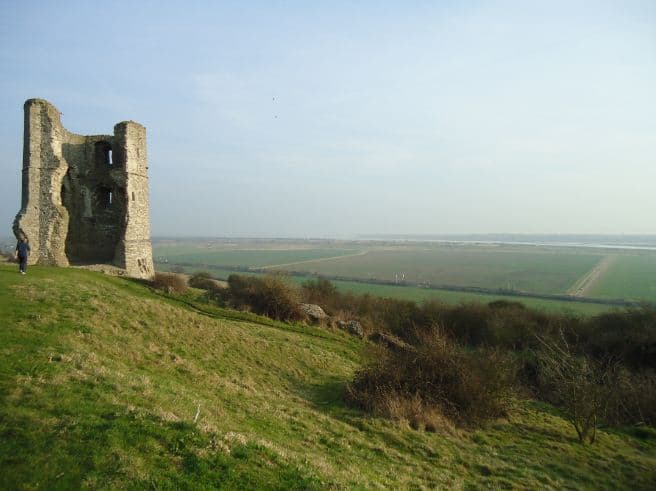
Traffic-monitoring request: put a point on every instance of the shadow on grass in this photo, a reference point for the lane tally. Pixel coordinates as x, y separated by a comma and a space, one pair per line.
382, 435
95, 448
331, 397
538, 435
643, 433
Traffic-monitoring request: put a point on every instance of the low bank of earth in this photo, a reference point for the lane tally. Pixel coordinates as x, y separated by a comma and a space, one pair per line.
105, 383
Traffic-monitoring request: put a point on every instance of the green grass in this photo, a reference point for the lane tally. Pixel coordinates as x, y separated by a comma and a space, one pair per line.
100, 380
630, 276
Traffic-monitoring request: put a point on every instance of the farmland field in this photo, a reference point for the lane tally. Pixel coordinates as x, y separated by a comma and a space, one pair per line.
536, 270
256, 258
542, 270
417, 294
630, 276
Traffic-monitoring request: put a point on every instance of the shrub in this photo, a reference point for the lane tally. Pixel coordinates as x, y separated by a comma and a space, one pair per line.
578, 383
438, 377
322, 292
169, 282
213, 291
271, 295
469, 324
599, 366
503, 324
202, 280
506, 304
632, 397
629, 336
400, 317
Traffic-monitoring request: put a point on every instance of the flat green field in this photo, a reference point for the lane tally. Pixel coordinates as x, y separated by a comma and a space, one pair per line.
630, 276
454, 297
257, 258
536, 270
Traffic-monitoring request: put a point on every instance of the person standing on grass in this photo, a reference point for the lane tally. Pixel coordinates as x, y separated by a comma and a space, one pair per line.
22, 252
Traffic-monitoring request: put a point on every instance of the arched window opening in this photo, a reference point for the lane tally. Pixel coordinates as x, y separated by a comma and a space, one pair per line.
64, 192
103, 151
105, 197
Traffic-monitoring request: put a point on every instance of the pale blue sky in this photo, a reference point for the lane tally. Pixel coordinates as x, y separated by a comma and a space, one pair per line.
341, 118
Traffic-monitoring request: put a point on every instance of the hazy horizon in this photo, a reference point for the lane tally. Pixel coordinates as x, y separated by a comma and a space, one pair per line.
287, 119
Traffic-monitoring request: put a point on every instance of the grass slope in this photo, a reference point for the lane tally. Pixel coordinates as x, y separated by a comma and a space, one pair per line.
101, 379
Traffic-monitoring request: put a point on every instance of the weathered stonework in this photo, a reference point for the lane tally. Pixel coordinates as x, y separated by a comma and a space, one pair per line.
84, 198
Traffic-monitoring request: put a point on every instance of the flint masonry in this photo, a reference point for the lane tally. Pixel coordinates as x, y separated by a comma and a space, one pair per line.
84, 198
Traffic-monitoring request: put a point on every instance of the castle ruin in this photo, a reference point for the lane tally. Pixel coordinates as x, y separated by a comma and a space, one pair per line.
84, 198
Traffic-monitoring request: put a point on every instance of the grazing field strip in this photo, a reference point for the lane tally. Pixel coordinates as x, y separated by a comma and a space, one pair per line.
270, 266
416, 294
252, 257
632, 276
586, 282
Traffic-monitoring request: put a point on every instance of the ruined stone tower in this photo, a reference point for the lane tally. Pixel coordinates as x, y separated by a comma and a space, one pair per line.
84, 198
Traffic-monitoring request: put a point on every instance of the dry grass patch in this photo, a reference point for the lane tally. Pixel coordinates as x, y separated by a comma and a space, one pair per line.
170, 282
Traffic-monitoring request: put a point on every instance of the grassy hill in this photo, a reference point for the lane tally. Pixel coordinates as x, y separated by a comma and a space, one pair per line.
105, 383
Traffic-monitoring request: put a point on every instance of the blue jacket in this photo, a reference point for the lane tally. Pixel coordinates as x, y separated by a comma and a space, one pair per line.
23, 249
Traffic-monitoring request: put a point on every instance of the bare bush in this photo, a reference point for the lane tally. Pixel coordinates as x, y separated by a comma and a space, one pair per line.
632, 398
322, 292
414, 411
202, 280
271, 295
628, 335
439, 377
214, 292
169, 282
580, 384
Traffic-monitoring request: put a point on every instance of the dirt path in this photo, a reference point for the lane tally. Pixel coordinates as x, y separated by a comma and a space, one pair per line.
585, 283
361, 253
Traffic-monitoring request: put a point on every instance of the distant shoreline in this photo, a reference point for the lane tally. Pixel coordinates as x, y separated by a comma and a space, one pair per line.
589, 245
593, 241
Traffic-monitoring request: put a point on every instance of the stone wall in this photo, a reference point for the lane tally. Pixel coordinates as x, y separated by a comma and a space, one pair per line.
85, 198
